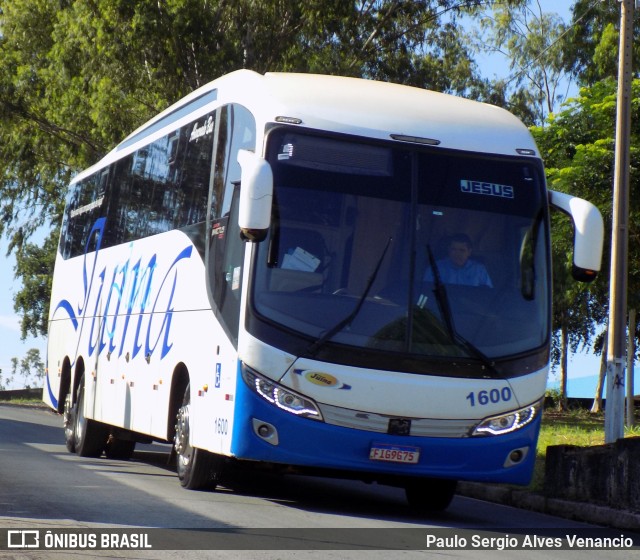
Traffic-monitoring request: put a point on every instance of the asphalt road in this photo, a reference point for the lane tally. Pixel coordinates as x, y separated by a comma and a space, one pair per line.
43, 486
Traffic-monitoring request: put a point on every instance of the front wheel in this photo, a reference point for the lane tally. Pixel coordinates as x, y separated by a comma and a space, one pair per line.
429, 495
196, 468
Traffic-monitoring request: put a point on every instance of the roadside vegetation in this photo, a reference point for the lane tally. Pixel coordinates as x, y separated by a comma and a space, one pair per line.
574, 426
25, 397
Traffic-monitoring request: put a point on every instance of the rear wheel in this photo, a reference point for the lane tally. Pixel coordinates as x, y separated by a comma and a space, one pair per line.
196, 468
69, 422
87, 437
428, 495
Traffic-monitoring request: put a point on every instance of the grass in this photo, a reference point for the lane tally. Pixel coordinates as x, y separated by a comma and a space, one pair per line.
573, 427
21, 401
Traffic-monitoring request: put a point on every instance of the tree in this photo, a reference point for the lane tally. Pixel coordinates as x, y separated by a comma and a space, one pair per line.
532, 41
77, 77
34, 267
30, 368
576, 312
591, 49
5, 381
577, 145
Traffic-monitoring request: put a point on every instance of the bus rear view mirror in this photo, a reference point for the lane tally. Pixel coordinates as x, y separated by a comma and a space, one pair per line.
256, 196
588, 231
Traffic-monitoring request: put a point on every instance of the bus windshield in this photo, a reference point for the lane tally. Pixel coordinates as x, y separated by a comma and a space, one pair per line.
404, 249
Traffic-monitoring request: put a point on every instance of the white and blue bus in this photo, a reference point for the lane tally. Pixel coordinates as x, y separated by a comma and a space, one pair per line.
324, 274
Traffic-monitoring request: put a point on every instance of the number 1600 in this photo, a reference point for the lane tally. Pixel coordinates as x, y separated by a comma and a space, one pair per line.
493, 396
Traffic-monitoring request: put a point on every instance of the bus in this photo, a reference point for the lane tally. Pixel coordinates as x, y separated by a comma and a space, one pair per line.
313, 274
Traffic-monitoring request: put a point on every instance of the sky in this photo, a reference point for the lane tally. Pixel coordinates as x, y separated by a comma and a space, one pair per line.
10, 343
582, 366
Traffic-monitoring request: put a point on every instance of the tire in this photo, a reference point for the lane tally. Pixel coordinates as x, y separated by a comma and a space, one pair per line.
429, 495
89, 437
120, 449
196, 468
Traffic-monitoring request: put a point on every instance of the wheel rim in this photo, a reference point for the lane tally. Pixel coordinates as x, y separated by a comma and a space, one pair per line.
181, 442
68, 418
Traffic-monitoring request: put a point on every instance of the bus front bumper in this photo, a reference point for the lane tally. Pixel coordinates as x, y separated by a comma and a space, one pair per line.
262, 432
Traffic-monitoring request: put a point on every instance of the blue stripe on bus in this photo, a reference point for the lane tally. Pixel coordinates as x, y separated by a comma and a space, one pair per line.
52, 397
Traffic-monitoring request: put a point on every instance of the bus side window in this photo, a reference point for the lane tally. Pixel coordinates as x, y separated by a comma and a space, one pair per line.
226, 249
85, 203
226, 257
243, 137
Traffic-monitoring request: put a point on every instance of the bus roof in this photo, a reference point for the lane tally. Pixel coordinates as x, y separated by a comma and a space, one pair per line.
380, 109
349, 105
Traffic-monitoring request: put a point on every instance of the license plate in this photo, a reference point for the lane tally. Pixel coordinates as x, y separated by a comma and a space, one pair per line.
394, 453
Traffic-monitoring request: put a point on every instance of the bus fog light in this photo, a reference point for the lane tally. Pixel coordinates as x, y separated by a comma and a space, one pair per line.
509, 422
516, 457
265, 431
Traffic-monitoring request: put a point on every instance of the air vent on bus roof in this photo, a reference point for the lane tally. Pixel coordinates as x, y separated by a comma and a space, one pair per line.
415, 139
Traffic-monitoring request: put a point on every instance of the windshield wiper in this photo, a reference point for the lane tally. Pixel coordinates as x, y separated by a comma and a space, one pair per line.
330, 333
445, 312
441, 296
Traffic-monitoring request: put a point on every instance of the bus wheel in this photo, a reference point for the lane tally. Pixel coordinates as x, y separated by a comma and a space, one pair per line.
196, 468
89, 436
428, 495
69, 422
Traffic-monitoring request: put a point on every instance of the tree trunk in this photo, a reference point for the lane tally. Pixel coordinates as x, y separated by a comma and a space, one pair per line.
562, 403
596, 407
631, 358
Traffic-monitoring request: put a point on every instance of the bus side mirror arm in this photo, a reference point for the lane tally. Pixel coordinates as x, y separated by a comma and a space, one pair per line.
256, 196
588, 234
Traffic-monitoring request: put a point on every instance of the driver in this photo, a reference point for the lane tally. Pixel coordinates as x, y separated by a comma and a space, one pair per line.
459, 268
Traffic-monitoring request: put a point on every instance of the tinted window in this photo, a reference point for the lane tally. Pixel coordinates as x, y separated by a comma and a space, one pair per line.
160, 187
85, 203
236, 131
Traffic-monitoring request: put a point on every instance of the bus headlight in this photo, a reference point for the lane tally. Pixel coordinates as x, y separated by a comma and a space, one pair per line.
509, 422
280, 396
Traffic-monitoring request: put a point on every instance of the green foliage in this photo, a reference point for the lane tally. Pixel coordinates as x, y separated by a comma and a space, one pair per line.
577, 145
34, 267
531, 40
591, 48
555, 396
572, 427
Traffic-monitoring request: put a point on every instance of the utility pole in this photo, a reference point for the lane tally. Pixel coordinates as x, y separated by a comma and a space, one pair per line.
614, 408
631, 356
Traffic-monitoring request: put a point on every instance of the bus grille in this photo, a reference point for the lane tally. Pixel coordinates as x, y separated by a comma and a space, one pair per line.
371, 422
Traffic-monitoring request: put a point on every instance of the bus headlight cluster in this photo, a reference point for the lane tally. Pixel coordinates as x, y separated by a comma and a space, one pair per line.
507, 423
280, 396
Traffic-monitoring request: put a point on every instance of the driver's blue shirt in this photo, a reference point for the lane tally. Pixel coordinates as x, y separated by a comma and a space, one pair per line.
472, 273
